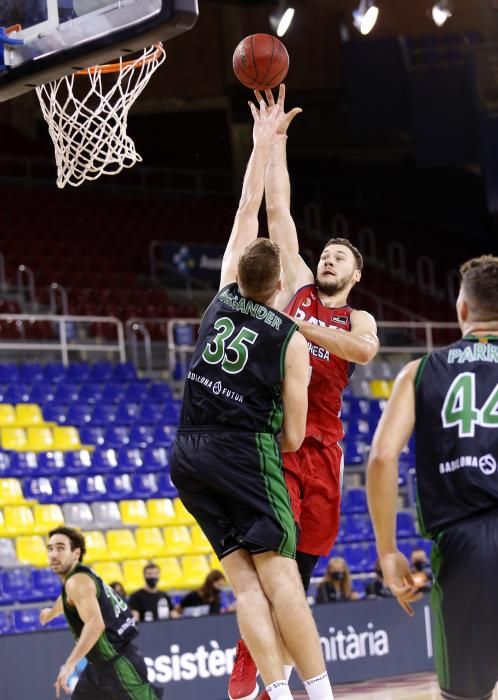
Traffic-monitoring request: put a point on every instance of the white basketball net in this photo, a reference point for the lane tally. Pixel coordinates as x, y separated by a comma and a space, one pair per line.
89, 132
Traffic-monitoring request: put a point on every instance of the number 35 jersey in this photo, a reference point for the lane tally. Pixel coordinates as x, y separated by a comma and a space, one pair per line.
237, 367
456, 432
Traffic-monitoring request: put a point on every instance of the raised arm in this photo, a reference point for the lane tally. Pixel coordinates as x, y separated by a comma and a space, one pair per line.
281, 226
393, 432
295, 393
360, 345
245, 226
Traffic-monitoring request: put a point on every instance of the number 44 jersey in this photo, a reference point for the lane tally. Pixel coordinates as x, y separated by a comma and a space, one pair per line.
456, 432
237, 367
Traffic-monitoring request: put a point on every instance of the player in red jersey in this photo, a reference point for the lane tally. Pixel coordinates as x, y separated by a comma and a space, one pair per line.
338, 338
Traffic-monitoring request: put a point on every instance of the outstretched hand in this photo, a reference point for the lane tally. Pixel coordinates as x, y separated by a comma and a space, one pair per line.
284, 119
398, 578
265, 124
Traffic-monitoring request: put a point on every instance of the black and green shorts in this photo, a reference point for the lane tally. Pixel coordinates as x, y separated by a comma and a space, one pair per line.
464, 601
233, 484
121, 678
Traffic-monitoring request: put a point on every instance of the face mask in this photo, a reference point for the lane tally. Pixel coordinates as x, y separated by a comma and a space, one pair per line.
419, 565
151, 581
338, 575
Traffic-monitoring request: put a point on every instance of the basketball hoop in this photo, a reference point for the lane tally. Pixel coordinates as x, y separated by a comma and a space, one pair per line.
89, 131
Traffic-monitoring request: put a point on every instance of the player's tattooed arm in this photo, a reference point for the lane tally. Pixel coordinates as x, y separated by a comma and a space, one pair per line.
245, 226
48, 614
359, 345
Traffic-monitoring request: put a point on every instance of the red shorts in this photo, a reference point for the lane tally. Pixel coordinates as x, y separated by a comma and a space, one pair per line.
313, 476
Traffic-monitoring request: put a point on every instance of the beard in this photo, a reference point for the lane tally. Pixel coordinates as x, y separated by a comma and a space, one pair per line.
330, 287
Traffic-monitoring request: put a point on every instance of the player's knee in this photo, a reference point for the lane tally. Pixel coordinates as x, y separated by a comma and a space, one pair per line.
251, 597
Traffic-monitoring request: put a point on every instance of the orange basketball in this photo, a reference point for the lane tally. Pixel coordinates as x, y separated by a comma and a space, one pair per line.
260, 61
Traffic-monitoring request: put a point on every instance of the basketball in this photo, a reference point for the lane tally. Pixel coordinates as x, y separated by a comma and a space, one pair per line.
260, 61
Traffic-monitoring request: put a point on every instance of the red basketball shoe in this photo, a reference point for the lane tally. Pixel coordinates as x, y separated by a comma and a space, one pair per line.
243, 684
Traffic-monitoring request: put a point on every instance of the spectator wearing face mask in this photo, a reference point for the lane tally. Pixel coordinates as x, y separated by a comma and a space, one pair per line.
420, 568
336, 584
149, 603
377, 588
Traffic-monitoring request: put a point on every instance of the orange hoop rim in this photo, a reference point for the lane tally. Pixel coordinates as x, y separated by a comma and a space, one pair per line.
120, 65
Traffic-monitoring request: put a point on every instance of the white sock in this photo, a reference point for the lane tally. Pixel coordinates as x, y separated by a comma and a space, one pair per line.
279, 690
288, 670
319, 688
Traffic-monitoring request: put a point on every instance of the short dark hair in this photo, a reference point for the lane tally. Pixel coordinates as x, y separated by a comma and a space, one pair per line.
76, 537
258, 269
479, 279
344, 241
149, 565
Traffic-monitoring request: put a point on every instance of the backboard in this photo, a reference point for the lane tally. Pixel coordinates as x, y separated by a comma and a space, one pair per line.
42, 40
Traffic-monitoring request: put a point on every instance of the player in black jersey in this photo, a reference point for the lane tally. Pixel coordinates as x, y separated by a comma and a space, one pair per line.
102, 625
450, 397
247, 385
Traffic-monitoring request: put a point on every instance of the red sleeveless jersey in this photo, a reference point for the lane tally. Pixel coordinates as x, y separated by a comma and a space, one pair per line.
329, 374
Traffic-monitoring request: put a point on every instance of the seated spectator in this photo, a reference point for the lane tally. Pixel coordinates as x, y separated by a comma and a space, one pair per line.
209, 594
376, 588
149, 603
421, 569
336, 584
118, 588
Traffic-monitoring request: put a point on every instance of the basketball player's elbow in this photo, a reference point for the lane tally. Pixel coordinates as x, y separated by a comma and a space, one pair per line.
292, 437
382, 457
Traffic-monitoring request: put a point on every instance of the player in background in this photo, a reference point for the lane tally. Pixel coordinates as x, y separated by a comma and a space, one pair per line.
450, 398
102, 625
338, 338
247, 384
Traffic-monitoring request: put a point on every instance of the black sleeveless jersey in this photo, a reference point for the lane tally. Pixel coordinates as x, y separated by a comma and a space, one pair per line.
456, 432
120, 625
237, 366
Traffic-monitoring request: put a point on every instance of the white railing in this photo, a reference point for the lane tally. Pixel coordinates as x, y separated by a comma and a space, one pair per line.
64, 342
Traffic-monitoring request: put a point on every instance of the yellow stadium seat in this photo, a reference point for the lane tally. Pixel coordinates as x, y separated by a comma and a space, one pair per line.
96, 546
200, 543
195, 568
133, 574
14, 439
32, 550
28, 415
47, 517
11, 492
121, 544
177, 540
161, 511
182, 516
40, 439
171, 573
66, 438
134, 513
109, 571
380, 388
19, 520
150, 542
3, 532
7, 415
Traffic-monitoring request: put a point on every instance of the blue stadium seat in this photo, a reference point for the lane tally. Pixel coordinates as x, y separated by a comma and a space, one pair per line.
65, 489
358, 586
54, 372
78, 372
127, 413
426, 545
358, 528
371, 556
5, 465
46, 583
31, 373
141, 436
6, 625
354, 452
354, 501
78, 462
54, 412
9, 374
27, 620
116, 436
151, 413
66, 393
92, 488
145, 486
405, 525
129, 460
104, 461
164, 436
103, 414
79, 414
160, 393
51, 463
38, 489
42, 393
58, 623
170, 414
92, 435
166, 488
406, 547
119, 487
356, 558
91, 393
155, 459
124, 372
321, 566
358, 428
16, 393
18, 584
137, 392
101, 372
113, 393
23, 464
